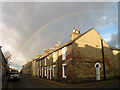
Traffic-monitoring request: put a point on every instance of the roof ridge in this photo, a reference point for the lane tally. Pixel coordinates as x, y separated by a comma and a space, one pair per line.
66, 44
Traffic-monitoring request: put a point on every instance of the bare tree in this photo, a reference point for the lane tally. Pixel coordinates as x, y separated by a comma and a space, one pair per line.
7, 56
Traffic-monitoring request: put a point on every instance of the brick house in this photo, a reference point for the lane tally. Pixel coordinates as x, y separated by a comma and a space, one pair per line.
74, 61
116, 52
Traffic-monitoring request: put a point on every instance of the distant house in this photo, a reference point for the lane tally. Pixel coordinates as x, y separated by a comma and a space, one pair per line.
116, 52
3, 69
74, 61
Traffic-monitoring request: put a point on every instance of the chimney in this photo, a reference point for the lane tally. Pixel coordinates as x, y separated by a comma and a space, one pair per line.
75, 33
51, 49
57, 45
73, 29
39, 55
46, 51
76, 30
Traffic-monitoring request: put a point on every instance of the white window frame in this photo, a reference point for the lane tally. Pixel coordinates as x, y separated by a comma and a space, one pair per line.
64, 53
54, 70
45, 71
63, 72
45, 62
54, 57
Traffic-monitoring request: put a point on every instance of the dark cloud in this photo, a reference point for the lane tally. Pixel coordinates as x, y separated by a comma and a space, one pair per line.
114, 40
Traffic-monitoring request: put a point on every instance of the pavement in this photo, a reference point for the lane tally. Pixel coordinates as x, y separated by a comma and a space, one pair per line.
98, 84
36, 82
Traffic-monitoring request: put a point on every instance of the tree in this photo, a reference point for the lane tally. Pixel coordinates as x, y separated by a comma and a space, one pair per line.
7, 56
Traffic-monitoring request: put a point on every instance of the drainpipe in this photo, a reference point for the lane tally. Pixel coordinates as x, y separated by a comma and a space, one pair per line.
104, 73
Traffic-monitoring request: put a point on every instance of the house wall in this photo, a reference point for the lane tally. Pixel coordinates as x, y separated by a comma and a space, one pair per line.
67, 61
33, 68
30, 71
86, 52
81, 57
117, 60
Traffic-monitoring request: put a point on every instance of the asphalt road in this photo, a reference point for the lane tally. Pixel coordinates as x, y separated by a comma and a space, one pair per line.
35, 82
30, 82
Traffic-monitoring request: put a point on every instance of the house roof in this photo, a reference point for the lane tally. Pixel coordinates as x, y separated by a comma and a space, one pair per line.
64, 45
114, 48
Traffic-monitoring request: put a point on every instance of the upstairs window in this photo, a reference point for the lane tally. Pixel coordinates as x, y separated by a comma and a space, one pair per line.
54, 57
45, 62
40, 63
64, 53
36, 64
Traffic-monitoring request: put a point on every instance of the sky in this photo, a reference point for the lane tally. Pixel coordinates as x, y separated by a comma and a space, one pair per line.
30, 27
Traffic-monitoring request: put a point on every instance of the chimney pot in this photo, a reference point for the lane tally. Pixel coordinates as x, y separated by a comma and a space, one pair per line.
76, 30
73, 29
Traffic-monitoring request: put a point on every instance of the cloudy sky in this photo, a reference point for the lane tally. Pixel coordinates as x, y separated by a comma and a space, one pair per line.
30, 27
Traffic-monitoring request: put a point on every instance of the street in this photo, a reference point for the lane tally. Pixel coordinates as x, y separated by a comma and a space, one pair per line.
35, 82
30, 82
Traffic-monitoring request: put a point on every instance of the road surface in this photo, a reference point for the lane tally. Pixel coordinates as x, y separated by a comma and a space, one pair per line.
35, 82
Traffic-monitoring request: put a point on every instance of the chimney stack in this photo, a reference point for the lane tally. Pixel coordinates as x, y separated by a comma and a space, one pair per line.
46, 51
75, 33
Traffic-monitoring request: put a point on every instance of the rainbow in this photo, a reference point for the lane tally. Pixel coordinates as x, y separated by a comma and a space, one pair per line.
42, 27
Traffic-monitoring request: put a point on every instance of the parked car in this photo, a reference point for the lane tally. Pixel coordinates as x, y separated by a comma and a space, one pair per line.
14, 75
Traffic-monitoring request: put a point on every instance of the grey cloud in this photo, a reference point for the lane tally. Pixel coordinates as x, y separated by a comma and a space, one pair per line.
25, 18
114, 40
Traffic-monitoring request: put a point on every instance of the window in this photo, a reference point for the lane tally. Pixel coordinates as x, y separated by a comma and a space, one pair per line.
45, 71
45, 62
54, 57
53, 70
50, 72
40, 71
36, 64
64, 53
64, 70
40, 63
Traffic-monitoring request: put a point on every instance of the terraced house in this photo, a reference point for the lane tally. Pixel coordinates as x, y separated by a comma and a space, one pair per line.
74, 61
